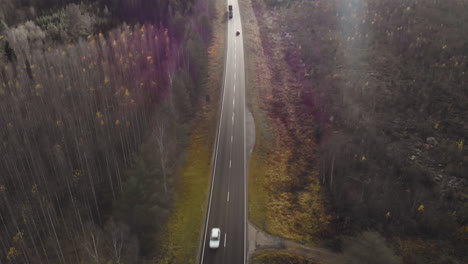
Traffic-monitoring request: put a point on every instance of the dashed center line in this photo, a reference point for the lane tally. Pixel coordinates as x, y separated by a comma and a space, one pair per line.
228, 197
230, 163
231, 138
225, 235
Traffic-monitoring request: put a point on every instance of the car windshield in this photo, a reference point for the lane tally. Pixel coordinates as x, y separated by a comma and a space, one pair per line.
214, 235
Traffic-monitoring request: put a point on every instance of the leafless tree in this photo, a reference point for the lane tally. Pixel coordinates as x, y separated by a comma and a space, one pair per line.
92, 243
164, 142
122, 246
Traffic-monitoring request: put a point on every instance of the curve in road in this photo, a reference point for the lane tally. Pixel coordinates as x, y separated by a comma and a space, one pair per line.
227, 198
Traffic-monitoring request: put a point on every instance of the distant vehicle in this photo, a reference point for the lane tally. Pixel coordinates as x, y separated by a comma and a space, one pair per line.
230, 11
237, 33
215, 237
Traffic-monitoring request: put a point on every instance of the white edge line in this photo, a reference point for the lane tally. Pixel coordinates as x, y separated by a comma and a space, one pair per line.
245, 187
216, 154
245, 160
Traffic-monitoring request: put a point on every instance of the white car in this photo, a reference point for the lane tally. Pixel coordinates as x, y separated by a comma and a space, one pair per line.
215, 237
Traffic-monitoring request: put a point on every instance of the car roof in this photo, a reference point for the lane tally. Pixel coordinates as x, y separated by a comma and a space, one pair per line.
215, 231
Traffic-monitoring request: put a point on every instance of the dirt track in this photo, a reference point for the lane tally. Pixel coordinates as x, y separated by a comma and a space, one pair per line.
260, 241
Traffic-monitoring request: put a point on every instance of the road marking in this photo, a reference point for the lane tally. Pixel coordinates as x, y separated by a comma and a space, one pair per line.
233, 120
228, 197
245, 149
230, 163
233, 101
231, 138
214, 167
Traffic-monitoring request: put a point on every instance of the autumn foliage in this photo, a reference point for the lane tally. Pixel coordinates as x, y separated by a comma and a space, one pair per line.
73, 120
382, 86
287, 199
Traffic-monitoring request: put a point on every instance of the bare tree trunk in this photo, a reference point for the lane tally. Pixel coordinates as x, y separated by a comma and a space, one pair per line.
92, 185
92, 247
171, 94
162, 140
109, 174
59, 246
323, 172
331, 173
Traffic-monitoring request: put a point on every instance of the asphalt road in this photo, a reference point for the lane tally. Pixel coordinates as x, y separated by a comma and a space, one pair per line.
227, 198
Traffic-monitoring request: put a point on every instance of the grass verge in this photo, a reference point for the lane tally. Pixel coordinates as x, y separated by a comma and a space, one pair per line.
257, 194
183, 231
285, 196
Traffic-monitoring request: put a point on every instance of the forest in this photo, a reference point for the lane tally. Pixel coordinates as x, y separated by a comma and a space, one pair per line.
381, 89
96, 101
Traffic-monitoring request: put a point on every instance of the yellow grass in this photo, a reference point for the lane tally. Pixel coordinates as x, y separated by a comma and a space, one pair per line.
274, 206
183, 231
257, 194
184, 226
